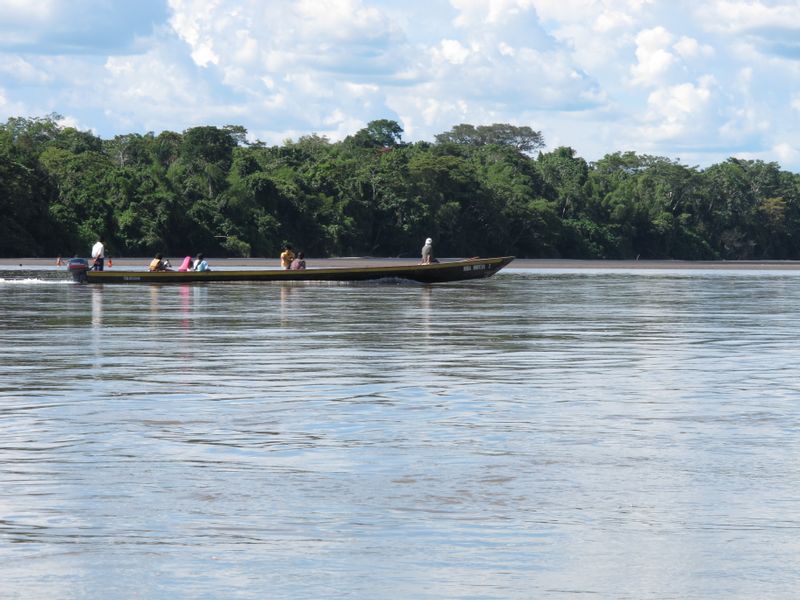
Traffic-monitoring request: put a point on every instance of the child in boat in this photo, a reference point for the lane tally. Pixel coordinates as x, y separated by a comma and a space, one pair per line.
299, 262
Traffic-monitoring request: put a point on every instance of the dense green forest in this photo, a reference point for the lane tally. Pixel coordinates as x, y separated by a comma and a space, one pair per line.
484, 190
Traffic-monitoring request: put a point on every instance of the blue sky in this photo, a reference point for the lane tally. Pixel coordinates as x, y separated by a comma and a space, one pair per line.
697, 81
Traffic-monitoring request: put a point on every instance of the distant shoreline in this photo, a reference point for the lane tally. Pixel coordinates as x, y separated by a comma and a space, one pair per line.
520, 263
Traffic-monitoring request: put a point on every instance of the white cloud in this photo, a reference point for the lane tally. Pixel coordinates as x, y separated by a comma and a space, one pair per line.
17, 68
771, 29
156, 93
345, 19
599, 75
582, 11
505, 49
732, 16
786, 152
453, 52
24, 11
609, 21
678, 112
743, 124
360, 90
77, 26
654, 60
492, 12
688, 47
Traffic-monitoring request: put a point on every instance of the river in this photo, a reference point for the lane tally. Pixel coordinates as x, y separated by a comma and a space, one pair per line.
543, 433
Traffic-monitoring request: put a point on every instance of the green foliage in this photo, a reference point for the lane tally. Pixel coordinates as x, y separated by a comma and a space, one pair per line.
377, 134
476, 191
523, 139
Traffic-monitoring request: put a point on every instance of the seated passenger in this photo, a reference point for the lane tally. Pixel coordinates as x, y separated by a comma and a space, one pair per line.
159, 264
287, 256
200, 264
299, 262
186, 265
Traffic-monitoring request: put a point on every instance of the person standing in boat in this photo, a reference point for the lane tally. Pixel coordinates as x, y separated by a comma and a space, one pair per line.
299, 263
427, 253
287, 256
99, 254
200, 264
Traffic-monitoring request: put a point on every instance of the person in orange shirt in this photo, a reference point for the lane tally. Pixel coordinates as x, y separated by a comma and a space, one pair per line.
287, 256
159, 264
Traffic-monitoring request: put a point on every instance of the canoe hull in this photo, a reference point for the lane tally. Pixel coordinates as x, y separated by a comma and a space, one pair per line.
462, 270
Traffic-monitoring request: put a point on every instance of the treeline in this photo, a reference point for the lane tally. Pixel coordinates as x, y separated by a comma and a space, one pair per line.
485, 190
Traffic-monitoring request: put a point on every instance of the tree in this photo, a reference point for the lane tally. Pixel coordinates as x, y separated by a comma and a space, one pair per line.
25, 194
382, 133
523, 139
564, 176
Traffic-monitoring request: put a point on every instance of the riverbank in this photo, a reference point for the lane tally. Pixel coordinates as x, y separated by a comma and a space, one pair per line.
519, 263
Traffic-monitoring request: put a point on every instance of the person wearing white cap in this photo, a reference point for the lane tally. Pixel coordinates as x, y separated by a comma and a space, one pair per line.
427, 252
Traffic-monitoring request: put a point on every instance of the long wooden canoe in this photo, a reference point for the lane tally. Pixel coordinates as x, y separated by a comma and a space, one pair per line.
458, 270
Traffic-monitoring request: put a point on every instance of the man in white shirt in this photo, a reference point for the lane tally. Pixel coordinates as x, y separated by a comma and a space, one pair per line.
427, 253
99, 254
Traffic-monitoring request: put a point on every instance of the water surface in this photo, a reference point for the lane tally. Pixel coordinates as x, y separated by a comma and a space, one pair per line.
618, 434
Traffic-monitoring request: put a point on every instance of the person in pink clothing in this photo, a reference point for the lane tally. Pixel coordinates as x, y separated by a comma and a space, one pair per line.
186, 265
299, 262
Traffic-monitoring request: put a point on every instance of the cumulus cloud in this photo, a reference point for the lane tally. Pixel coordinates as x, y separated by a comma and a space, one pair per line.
336, 35
732, 16
349, 57
653, 56
599, 75
786, 153
679, 111
491, 12
453, 52
21, 12
18, 69
771, 28
688, 47
77, 26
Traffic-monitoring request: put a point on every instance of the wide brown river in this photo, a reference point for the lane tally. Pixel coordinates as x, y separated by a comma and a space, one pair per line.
541, 434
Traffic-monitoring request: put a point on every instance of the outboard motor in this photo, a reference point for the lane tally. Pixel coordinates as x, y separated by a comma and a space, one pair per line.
78, 267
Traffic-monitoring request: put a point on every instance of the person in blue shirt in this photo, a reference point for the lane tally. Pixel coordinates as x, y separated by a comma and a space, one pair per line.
200, 264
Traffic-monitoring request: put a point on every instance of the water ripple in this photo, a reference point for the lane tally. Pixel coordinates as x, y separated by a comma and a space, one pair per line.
537, 434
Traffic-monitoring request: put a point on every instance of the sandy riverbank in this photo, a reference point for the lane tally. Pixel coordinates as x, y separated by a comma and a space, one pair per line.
520, 263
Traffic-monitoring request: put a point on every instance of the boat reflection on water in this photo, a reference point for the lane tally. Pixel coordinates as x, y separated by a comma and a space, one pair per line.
286, 303
97, 324
97, 306
425, 295
154, 307
185, 293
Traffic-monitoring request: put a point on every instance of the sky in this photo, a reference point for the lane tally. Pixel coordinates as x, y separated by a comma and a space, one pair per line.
696, 81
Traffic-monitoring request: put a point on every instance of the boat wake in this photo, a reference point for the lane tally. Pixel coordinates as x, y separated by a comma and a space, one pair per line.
33, 281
